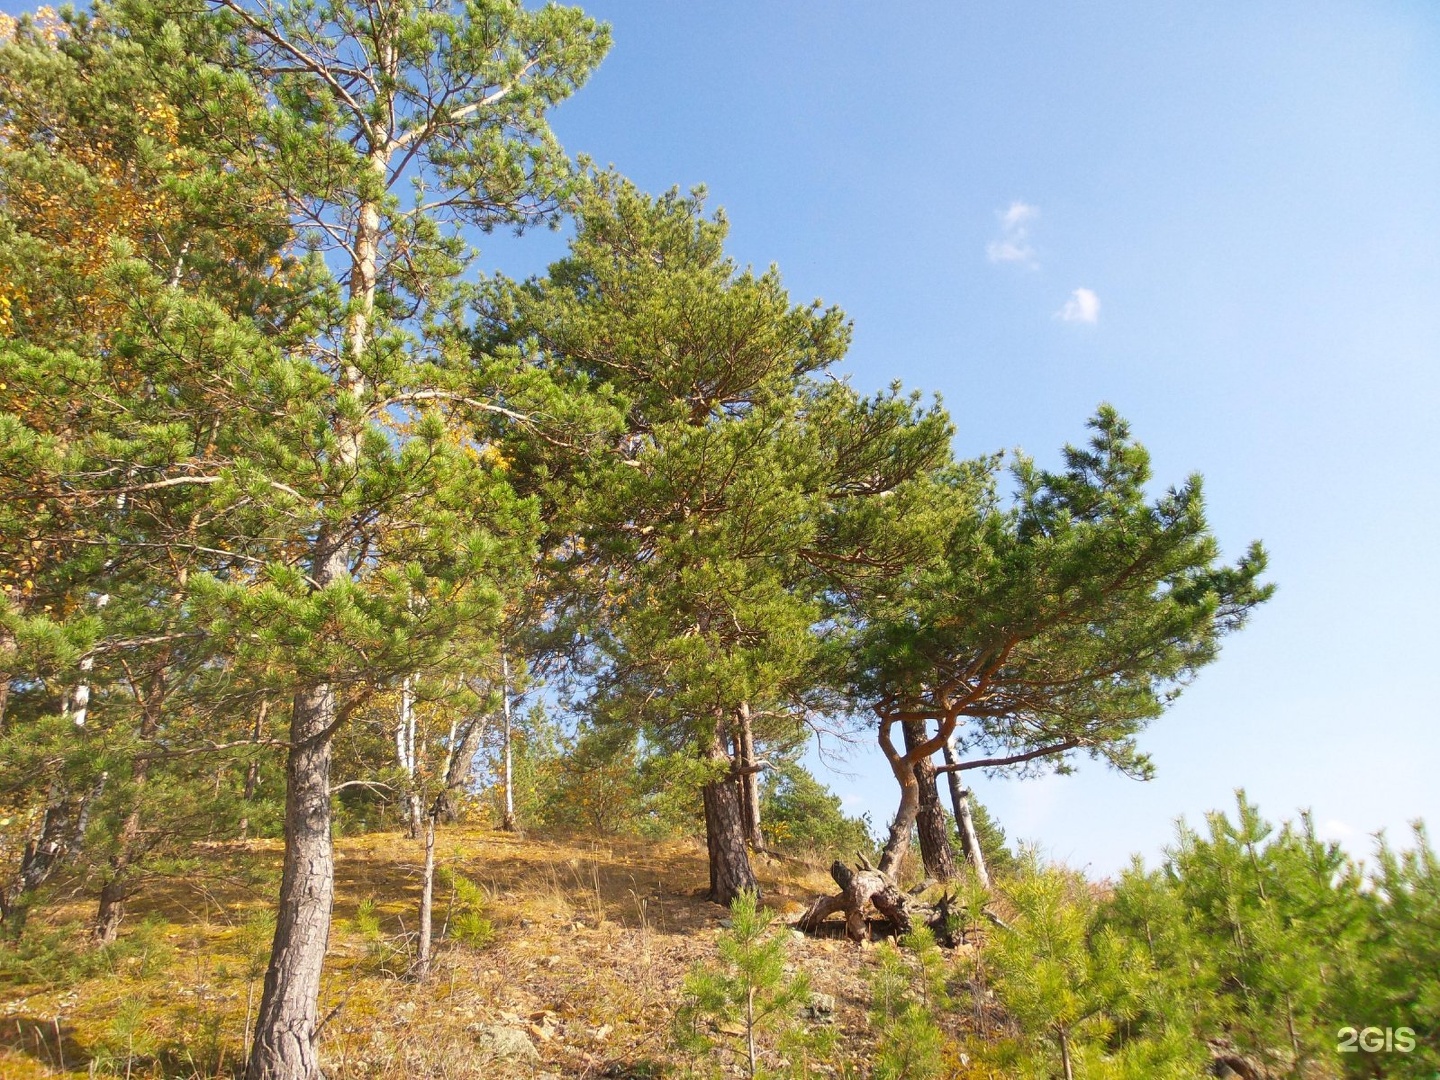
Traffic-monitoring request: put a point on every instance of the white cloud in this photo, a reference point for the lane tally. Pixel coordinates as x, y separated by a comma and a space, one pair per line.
1082, 307
1018, 214
1013, 245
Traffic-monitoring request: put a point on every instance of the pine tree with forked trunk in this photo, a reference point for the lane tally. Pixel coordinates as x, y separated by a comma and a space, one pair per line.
1060, 624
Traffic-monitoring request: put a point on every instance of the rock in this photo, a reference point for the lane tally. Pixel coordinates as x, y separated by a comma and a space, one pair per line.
820, 1006
508, 1044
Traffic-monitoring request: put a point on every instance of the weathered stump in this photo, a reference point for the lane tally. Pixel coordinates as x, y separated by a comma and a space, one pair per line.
864, 886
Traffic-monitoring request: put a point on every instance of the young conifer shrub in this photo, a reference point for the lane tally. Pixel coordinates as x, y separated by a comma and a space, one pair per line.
907, 992
468, 923
743, 1008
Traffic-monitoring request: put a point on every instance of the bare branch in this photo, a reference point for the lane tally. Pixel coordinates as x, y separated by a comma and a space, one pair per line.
1013, 759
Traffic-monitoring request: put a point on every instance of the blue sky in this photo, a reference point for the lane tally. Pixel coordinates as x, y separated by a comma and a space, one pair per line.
1250, 196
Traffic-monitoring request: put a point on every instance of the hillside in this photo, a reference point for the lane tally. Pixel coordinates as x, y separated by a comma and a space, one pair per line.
592, 941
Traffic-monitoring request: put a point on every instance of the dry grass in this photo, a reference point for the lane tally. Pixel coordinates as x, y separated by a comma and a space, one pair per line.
592, 942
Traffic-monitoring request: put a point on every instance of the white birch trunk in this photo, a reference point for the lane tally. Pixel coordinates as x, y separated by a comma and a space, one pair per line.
508, 824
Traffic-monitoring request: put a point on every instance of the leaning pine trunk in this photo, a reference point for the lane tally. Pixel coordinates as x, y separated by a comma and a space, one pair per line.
897, 840
935, 849
964, 819
730, 871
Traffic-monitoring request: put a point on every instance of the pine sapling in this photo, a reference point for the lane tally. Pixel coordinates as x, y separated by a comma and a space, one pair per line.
907, 991
746, 995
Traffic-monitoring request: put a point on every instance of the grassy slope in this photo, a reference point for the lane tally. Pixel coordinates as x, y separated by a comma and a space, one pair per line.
592, 942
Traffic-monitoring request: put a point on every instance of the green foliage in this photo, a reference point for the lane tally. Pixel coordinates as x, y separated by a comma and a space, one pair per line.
908, 994
1264, 942
65, 955
695, 566
1399, 980
383, 953
1079, 989
1060, 623
801, 814
466, 921
741, 1008
253, 941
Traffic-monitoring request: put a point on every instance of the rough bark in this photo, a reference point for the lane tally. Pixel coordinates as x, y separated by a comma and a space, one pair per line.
749, 777
965, 820
111, 911
459, 765
902, 766
897, 839
933, 829
285, 1029
730, 870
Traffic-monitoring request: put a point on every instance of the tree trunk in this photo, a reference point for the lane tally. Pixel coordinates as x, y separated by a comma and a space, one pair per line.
112, 910
284, 1046
252, 771
62, 831
405, 755
865, 886
128, 848
1065, 1055
459, 764
77, 706
508, 821
730, 871
965, 820
427, 900
897, 840
749, 778
935, 849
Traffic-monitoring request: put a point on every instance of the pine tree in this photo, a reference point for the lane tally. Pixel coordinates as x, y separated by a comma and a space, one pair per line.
698, 562
1061, 624
117, 208
356, 518
1079, 989
907, 996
